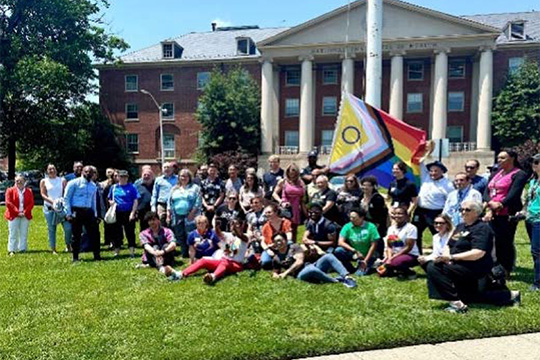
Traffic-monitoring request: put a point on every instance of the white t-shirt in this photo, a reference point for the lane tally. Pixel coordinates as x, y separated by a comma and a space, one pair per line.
396, 238
439, 242
54, 190
235, 245
433, 193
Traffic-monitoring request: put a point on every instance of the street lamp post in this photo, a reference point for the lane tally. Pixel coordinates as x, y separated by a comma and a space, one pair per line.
160, 110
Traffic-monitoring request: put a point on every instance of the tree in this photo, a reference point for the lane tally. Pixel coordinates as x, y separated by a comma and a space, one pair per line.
86, 134
516, 111
229, 111
46, 54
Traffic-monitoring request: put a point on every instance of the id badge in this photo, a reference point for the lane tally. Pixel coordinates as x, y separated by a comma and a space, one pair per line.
493, 192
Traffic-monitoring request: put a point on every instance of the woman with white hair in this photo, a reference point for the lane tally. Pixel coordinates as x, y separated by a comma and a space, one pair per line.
19, 205
455, 275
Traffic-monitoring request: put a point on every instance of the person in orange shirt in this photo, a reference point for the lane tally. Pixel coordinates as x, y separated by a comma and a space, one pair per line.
19, 205
275, 224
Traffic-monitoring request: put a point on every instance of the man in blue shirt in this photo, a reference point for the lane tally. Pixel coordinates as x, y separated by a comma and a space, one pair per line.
162, 191
81, 210
77, 169
479, 183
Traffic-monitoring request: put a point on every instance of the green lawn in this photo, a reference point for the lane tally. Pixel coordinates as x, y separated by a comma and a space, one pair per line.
50, 309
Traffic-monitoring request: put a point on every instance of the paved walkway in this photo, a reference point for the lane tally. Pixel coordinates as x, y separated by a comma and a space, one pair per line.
516, 347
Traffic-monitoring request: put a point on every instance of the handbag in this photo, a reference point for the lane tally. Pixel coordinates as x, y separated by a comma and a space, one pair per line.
110, 215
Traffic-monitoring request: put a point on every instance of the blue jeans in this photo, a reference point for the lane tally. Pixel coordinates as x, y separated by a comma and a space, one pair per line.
266, 260
318, 272
345, 256
533, 229
51, 228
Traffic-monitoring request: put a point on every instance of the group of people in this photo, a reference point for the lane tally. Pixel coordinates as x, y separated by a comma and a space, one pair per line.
225, 226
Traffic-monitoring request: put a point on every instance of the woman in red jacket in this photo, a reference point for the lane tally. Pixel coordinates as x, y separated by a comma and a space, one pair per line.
19, 205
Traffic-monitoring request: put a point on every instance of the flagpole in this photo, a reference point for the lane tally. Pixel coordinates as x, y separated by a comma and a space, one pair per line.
374, 52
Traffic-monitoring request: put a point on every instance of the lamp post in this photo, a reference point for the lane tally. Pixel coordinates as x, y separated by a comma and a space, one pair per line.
160, 110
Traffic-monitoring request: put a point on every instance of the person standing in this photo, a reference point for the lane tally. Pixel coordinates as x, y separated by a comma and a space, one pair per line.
52, 189
289, 193
77, 170
19, 205
402, 191
532, 222
144, 186
126, 198
464, 192
478, 182
272, 177
108, 229
233, 183
213, 192
81, 210
161, 192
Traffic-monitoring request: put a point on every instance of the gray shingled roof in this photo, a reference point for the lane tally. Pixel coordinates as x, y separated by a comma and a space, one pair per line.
532, 24
214, 45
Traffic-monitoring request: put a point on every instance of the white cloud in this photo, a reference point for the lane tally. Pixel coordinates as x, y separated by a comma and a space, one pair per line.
222, 23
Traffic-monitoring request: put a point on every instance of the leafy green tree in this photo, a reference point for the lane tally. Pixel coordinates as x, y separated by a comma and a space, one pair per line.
229, 111
86, 134
516, 110
46, 53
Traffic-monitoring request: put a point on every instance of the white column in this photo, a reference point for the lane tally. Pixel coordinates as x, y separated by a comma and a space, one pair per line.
483, 135
267, 90
396, 86
347, 74
474, 100
441, 95
374, 52
307, 119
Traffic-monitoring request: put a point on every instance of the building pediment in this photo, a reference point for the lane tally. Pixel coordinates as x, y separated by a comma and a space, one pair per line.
400, 21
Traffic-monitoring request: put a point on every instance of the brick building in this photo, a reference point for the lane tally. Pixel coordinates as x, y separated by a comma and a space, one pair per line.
439, 72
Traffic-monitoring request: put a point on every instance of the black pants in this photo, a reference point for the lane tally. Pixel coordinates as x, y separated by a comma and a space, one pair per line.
424, 218
457, 282
167, 259
181, 232
141, 213
84, 217
108, 230
123, 224
505, 233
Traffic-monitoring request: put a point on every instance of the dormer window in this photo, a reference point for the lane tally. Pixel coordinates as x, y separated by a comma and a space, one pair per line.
171, 50
245, 46
516, 30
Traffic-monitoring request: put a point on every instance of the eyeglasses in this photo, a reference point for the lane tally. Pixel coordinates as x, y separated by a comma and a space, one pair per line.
439, 223
233, 198
465, 210
470, 167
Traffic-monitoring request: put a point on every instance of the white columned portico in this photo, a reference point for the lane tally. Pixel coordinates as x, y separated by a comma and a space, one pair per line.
267, 89
438, 130
307, 118
396, 85
483, 134
347, 74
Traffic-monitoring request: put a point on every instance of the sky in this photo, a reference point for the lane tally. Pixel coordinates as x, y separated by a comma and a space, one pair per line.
147, 22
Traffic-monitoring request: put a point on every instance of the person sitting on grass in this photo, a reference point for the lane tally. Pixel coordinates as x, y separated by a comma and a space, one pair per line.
158, 244
401, 251
321, 233
445, 228
357, 241
234, 246
288, 258
273, 225
454, 276
202, 241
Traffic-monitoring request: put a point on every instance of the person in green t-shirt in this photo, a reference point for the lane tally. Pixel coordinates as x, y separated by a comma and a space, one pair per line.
357, 242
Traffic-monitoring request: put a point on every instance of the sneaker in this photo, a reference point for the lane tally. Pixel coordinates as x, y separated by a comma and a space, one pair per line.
141, 266
349, 282
208, 279
534, 287
175, 276
361, 272
457, 309
11, 253
516, 298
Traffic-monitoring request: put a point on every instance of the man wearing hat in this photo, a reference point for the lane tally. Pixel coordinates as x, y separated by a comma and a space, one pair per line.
432, 196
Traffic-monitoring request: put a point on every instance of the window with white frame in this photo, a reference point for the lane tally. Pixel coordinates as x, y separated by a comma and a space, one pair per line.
202, 79
517, 30
514, 63
456, 101
415, 71
132, 143
292, 77
454, 134
327, 136
456, 69
168, 50
292, 107
132, 111
169, 149
167, 82
291, 138
132, 83
167, 111
330, 75
329, 106
414, 103
245, 46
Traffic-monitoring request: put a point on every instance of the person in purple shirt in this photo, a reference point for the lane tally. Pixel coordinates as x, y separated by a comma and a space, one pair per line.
126, 197
158, 244
202, 241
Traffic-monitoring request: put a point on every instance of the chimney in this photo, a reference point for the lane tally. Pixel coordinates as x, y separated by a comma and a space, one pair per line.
214, 26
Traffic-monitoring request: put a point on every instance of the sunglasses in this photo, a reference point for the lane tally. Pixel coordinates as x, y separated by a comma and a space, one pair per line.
465, 210
439, 223
233, 198
470, 167
536, 162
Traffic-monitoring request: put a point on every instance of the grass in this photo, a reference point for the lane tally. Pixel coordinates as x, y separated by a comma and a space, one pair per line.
51, 309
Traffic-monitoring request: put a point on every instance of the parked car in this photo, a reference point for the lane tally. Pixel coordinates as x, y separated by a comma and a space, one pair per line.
33, 177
